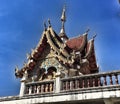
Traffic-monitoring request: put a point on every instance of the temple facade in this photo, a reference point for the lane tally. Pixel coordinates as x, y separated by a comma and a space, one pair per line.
64, 70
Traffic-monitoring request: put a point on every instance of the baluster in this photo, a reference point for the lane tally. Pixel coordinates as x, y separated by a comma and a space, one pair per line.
93, 81
30, 90
71, 85
34, 89
38, 89
88, 82
66, 85
83, 83
111, 82
99, 83
77, 84
116, 79
46, 87
63, 85
51, 87
42, 88
105, 82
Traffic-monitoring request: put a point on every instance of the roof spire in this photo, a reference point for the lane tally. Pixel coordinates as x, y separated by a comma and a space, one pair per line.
63, 20
63, 17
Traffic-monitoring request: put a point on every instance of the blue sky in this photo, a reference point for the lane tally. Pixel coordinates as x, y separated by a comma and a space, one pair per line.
21, 25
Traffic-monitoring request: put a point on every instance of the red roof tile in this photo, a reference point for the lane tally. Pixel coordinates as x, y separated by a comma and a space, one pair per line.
76, 43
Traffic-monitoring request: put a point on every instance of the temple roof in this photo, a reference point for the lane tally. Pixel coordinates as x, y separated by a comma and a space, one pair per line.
90, 55
62, 50
76, 51
77, 43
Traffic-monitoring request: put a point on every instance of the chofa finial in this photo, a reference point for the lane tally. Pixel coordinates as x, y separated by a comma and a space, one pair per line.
49, 23
45, 27
87, 30
16, 68
94, 36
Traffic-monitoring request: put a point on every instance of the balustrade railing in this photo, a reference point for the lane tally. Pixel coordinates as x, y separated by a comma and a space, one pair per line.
91, 80
74, 83
39, 87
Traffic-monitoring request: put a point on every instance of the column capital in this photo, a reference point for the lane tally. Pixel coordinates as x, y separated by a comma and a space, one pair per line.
58, 74
25, 76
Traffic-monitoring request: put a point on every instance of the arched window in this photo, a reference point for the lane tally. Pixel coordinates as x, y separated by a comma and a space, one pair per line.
51, 69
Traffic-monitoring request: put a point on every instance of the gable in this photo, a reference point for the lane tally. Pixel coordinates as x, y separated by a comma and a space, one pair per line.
51, 51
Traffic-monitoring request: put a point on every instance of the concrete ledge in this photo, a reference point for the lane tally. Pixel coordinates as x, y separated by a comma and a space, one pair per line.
86, 94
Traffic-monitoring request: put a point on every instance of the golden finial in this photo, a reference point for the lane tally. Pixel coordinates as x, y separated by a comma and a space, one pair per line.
63, 17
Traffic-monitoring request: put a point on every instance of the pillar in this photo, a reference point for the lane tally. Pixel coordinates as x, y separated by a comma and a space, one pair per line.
23, 81
57, 82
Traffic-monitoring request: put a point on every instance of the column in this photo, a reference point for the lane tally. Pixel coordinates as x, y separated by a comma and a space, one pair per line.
23, 81
57, 83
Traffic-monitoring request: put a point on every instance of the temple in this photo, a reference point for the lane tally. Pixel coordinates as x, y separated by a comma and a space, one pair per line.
58, 53
64, 70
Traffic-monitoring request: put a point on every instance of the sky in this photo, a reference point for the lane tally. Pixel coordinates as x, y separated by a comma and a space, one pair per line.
21, 26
